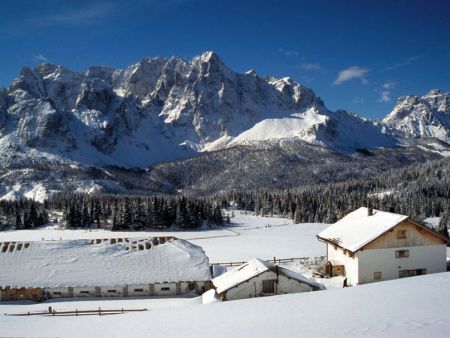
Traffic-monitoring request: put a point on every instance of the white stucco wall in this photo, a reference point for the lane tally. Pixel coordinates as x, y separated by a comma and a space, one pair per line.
133, 290
351, 263
430, 257
64, 292
288, 285
77, 292
254, 287
160, 286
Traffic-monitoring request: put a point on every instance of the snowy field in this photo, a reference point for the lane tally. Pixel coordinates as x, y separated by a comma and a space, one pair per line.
409, 307
264, 237
245, 238
413, 307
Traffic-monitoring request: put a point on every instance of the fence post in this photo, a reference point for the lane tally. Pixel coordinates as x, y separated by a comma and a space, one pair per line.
76, 312
99, 312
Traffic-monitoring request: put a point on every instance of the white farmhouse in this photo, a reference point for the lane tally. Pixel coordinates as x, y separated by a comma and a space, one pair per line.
122, 267
370, 245
258, 278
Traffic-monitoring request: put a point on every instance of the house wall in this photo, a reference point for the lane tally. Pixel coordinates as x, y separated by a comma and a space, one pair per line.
59, 292
430, 257
337, 254
415, 236
156, 289
159, 289
288, 285
251, 288
85, 292
36, 294
254, 287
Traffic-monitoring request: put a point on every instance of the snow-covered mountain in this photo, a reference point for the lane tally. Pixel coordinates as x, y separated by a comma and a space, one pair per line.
422, 117
61, 129
163, 109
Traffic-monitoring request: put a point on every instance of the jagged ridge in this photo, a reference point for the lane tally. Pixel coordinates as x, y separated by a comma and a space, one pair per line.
163, 109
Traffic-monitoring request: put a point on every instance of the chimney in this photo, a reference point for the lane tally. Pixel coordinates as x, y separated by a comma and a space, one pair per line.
369, 211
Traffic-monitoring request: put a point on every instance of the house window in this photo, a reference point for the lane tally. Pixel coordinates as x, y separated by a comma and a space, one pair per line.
56, 293
411, 273
268, 286
377, 275
165, 288
138, 290
401, 253
112, 291
401, 234
84, 292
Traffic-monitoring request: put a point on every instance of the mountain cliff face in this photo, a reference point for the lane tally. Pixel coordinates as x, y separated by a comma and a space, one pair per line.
66, 130
163, 109
421, 117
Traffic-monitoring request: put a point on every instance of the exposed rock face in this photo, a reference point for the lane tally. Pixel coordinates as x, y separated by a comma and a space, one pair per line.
420, 117
163, 109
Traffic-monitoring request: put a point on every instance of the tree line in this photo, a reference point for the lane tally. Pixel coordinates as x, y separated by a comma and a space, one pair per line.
22, 214
418, 191
114, 212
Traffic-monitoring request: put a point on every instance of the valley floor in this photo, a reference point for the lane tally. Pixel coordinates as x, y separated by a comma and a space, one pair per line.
409, 307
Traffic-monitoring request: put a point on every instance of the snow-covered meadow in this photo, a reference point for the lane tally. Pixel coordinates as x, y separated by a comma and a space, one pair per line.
245, 238
407, 307
413, 307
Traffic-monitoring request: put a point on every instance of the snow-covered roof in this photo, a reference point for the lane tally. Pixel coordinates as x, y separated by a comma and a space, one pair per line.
106, 262
358, 228
251, 269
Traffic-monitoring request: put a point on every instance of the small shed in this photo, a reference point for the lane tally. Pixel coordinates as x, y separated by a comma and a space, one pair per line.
258, 278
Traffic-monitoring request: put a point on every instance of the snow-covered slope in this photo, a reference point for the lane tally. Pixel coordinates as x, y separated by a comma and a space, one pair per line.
162, 109
421, 117
408, 307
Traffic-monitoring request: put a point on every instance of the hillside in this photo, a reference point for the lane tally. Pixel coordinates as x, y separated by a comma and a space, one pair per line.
411, 307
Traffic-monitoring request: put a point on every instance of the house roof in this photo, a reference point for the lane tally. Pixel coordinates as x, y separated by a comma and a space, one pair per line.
358, 228
252, 269
88, 263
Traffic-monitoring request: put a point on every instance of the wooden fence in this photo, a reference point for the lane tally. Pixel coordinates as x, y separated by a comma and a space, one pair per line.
76, 312
304, 260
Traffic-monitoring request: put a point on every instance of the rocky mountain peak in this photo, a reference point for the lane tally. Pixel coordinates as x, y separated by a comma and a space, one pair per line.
426, 116
162, 109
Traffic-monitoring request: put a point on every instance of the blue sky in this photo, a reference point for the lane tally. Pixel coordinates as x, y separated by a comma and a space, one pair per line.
356, 55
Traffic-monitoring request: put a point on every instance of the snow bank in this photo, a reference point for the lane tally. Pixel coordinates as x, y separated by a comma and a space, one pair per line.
411, 307
209, 297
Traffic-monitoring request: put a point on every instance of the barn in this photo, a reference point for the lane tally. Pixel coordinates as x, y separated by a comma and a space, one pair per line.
371, 245
102, 268
258, 278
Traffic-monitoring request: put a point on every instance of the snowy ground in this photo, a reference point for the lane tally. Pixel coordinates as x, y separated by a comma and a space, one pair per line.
335, 312
413, 307
245, 238
55, 233
264, 238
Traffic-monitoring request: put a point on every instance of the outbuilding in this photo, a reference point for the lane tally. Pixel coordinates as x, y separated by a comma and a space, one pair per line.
258, 278
114, 267
371, 245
